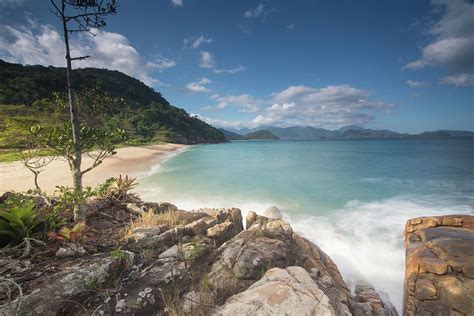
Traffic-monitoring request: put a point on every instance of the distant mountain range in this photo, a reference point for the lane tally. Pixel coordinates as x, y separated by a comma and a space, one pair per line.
346, 132
256, 135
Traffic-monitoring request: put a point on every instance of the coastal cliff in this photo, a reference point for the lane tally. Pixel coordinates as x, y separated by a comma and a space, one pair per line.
173, 262
439, 277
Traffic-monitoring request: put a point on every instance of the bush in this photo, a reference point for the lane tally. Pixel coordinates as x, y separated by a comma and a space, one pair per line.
19, 220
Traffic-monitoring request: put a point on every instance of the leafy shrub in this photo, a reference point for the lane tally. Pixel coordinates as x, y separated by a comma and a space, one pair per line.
118, 189
19, 219
70, 235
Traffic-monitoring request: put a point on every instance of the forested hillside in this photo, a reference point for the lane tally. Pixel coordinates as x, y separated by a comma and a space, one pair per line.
27, 93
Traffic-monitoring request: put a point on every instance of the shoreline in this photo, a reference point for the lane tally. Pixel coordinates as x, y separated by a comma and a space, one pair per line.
133, 161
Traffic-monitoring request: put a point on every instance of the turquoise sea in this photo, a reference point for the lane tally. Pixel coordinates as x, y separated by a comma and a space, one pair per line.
350, 197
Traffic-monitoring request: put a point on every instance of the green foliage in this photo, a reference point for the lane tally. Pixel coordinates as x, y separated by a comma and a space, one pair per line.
59, 138
197, 250
118, 253
118, 189
75, 234
109, 99
19, 220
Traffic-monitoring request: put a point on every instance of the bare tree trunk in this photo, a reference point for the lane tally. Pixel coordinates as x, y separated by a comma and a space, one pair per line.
79, 212
36, 180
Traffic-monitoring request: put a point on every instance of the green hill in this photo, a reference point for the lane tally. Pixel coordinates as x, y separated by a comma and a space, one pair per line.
263, 134
27, 92
230, 135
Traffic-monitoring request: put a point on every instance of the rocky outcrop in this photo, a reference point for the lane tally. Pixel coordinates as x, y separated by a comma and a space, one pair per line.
279, 292
199, 263
268, 244
439, 276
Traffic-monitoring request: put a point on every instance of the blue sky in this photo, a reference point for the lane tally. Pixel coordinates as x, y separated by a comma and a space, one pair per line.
403, 65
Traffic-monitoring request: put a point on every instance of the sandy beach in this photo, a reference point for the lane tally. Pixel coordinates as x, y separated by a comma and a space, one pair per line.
134, 161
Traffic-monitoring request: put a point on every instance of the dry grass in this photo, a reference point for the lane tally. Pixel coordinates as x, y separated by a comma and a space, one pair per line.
170, 218
149, 219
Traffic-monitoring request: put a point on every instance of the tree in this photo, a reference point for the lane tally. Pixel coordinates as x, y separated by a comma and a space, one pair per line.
77, 16
96, 142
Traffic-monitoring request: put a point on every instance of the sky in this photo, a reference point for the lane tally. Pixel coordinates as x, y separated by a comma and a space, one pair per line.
406, 66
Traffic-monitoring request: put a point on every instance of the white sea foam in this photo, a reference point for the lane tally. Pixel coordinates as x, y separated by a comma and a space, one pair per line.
157, 166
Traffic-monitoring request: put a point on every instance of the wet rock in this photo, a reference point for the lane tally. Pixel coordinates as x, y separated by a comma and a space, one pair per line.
439, 272
279, 292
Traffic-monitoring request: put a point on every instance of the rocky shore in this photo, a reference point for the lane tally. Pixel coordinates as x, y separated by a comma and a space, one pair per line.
206, 262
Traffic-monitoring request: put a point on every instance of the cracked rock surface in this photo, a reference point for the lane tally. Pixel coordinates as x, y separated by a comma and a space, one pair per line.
439, 275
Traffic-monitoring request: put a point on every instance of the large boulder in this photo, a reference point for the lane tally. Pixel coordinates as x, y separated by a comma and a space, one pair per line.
279, 292
272, 212
268, 244
439, 274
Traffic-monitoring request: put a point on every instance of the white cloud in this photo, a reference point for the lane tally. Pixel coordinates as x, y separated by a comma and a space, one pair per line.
327, 107
417, 84
195, 42
229, 71
452, 46
244, 103
199, 86
259, 12
163, 62
459, 80
42, 44
177, 3
208, 62
289, 27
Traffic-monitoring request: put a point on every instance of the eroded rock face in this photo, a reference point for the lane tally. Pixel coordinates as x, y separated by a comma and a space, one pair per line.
279, 292
439, 275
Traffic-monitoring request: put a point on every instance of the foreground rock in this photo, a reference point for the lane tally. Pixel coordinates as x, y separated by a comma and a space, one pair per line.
78, 280
197, 263
279, 292
439, 276
268, 244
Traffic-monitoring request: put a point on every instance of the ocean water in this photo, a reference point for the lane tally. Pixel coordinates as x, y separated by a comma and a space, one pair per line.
350, 197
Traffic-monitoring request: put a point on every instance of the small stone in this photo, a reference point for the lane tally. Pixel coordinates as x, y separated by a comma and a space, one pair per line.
119, 305
148, 290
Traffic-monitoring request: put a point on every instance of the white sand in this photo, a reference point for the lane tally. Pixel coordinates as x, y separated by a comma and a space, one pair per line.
128, 160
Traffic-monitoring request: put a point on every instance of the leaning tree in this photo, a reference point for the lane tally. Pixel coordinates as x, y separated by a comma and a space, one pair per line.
79, 16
